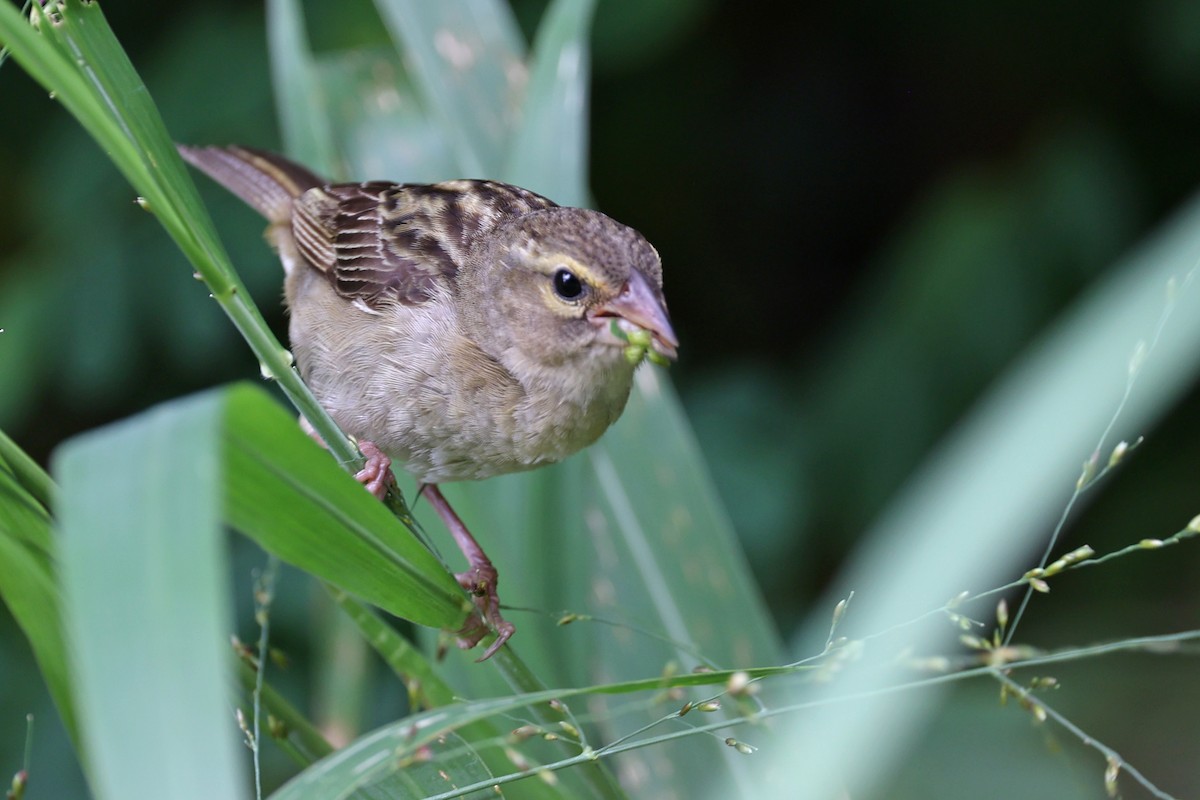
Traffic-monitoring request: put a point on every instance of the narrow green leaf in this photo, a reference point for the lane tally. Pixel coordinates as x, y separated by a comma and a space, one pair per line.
74, 54
379, 121
26, 471
650, 478
467, 59
24, 518
28, 580
406, 661
682, 572
443, 765
29, 588
301, 106
144, 577
549, 150
42, 51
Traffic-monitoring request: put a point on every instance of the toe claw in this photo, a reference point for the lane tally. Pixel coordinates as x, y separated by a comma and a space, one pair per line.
504, 631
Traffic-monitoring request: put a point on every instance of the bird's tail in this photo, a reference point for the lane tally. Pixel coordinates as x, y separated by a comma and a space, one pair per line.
266, 181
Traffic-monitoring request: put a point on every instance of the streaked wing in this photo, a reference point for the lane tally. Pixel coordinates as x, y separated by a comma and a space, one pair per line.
384, 242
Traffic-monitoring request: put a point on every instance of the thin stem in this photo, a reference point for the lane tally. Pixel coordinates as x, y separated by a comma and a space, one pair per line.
572, 618
28, 743
1141, 353
518, 676
314, 745
264, 593
1114, 758
1188, 532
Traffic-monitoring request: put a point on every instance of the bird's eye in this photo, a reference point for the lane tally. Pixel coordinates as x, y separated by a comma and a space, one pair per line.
567, 285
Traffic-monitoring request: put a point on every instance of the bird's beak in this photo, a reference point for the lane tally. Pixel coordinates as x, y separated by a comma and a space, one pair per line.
638, 308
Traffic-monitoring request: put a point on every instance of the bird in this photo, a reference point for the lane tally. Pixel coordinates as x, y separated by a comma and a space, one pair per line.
463, 329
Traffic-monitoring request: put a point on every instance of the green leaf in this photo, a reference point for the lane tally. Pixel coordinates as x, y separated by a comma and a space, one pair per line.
25, 471
658, 497
468, 64
22, 515
72, 52
144, 578
549, 150
300, 104
475, 742
379, 121
28, 581
29, 587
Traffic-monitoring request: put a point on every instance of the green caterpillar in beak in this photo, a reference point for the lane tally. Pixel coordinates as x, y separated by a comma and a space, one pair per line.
639, 348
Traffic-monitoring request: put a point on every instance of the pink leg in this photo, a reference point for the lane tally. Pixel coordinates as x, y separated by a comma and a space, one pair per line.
480, 580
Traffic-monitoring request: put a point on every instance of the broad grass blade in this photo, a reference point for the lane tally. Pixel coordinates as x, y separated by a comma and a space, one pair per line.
144, 576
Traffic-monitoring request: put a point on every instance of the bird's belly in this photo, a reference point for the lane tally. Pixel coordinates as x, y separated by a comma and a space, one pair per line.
438, 438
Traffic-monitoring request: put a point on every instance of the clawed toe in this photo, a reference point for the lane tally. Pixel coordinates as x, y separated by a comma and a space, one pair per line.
480, 582
376, 474
504, 630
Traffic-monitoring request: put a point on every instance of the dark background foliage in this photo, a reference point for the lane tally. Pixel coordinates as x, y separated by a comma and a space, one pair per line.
866, 211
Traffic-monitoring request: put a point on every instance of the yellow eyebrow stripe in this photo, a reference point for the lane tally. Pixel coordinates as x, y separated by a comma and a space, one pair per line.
560, 261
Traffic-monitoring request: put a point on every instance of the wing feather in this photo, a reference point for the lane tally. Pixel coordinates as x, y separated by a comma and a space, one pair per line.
382, 242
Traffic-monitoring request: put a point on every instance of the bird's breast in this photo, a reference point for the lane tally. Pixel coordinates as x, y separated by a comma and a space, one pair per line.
407, 379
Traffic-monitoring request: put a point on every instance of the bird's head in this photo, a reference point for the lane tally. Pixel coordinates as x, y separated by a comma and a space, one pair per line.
569, 286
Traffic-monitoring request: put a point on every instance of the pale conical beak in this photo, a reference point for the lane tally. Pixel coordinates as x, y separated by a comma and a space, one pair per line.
640, 306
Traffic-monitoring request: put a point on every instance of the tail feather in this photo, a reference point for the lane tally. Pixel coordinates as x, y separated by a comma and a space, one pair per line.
266, 181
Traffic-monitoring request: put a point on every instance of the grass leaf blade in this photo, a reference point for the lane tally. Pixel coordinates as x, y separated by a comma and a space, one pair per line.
468, 62
144, 578
549, 151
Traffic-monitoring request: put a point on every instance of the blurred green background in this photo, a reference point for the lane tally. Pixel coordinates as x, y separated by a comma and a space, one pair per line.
865, 212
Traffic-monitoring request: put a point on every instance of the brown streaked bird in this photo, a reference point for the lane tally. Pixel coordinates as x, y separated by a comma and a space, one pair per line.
465, 329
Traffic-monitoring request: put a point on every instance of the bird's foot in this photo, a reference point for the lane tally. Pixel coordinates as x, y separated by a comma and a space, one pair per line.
376, 474
480, 582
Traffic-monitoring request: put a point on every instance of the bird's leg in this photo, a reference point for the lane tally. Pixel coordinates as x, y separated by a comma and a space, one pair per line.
480, 580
